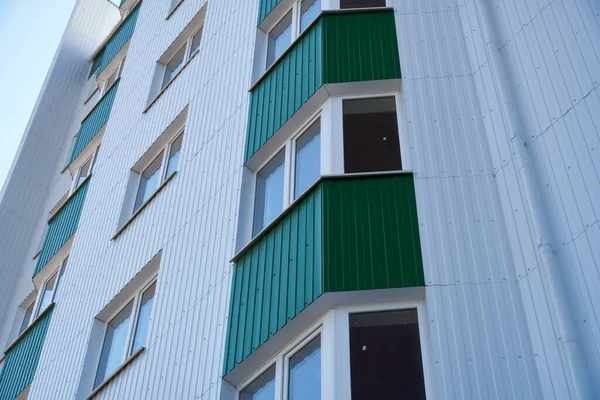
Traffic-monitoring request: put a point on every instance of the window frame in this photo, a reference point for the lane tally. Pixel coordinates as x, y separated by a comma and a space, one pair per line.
128, 352
38, 298
334, 329
187, 57
289, 167
163, 177
92, 159
281, 362
116, 73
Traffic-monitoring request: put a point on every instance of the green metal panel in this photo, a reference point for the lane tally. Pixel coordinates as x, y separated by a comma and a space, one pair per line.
22, 359
281, 93
339, 47
276, 279
94, 121
265, 8
371, 234
346, 234
119, 38
62, 226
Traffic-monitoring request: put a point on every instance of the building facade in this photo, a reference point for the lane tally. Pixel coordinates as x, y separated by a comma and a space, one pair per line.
309, 199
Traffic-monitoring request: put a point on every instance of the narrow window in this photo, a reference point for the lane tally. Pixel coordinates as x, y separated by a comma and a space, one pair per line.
371, 141
173, 66
143, 321
173, 161
115, 342
196, 39
84, 172
361, 3
26, 318
262, 388
149, 181
385, 356
280, 38
308, 159
309, 11
96, 64
48, 293
305, 372
59, 283
112, 79
269, 192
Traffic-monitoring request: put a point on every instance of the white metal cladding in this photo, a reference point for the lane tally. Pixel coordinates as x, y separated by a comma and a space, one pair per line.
35, 184
489, 323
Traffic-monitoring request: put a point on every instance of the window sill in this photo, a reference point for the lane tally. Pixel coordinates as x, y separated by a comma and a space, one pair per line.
174, 9
116, 372
29, 327
139, 210
170, 82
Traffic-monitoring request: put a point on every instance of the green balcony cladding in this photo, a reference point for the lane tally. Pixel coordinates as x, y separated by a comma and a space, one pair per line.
22, 358
339, 47
119, 38
345, 234
95, 120
62, 226
265, 8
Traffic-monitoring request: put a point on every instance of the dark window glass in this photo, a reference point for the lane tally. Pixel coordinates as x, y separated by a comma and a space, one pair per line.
361, 3
371, 140
385, 356
96, 64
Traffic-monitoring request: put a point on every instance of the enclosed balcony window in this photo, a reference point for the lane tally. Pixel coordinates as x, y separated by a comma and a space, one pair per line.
269, 192
344, 4
385, 356
371, 141
26, 318
280, 38
309, 10
262, 388
308, 159
305, 372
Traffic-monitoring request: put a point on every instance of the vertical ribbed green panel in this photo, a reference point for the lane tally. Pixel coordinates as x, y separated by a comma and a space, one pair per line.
275, 280
265, 8
281, 93
62, 226
371, 234
94, 121
22, 359
340, 47
358, 233
360, 47
119, 38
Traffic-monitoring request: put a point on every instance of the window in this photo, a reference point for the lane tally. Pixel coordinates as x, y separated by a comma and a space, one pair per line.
280, 38
269, 192
305, 372
125, 333
344, 4
371, 140
300, 374
270, 196
385, 356
158, 171
183, 55
262, 388
301, 15
26, 318
96, 64
308, 159
112, 78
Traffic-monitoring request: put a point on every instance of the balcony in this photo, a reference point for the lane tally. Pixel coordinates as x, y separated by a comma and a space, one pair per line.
94, 122
119, 39
347, 233
22, 357
339, 47
62, 226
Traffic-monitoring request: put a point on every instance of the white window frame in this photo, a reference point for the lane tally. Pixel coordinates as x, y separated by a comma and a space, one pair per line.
38, 300
166, 151
289, 165
136, 298
31, 304
334, 329
281, 363
118, 71
92, 160
187, 56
